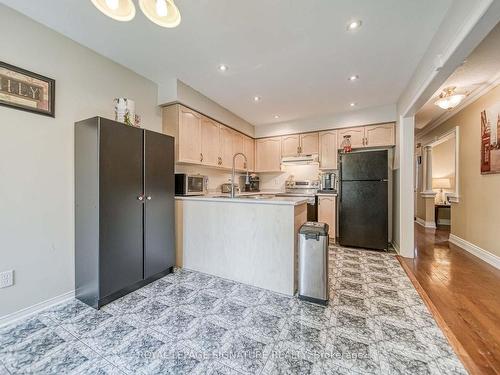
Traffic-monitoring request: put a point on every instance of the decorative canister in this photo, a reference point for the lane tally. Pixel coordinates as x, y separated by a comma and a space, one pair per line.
346, 144
125, 111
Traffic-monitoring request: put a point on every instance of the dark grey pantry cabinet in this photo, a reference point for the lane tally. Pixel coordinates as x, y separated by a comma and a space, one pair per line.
124, 209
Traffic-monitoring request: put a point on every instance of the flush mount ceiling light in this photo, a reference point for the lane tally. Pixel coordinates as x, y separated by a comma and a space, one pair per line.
120, 10
352, 104
449, 99
162, 12
353, 77
354, 25
276, 117
223, 67
257, 98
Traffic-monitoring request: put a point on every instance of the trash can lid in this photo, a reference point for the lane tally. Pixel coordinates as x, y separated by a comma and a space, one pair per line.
312, 227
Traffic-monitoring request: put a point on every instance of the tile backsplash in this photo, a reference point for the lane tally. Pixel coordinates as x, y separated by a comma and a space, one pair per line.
268, 181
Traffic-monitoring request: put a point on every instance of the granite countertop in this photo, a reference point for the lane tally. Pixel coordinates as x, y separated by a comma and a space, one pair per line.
292, 201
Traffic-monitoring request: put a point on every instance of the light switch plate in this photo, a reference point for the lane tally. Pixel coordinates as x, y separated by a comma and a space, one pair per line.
6, 279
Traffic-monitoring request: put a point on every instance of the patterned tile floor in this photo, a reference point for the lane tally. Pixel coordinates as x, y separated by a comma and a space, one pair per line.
192, 323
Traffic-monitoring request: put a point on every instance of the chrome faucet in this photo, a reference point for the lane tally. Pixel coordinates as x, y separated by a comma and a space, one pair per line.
247, 181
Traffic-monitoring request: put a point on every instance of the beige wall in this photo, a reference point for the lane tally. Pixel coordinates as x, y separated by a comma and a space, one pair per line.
443, 162
475, 218
36, 155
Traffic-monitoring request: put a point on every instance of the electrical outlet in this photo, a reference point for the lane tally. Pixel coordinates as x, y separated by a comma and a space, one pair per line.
6, 279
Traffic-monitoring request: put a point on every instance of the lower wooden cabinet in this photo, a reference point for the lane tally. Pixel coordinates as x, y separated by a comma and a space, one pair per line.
327, 213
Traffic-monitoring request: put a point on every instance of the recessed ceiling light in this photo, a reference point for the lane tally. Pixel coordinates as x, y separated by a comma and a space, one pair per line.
353, 25
162, 12
353, 77
276, 116
353, 104
257, 98
223, 67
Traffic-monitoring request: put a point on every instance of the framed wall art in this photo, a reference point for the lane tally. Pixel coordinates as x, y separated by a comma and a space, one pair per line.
490, 140
27, 91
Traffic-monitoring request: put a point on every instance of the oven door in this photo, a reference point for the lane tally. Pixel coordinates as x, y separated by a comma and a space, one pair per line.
195, 185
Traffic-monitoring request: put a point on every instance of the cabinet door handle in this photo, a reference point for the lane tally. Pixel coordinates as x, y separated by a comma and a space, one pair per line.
201, 157
140, 198
149, 197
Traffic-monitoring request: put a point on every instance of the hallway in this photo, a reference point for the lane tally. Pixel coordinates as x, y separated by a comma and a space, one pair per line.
462, 292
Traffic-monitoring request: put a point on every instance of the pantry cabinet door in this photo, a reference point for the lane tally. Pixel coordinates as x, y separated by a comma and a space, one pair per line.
239, 146
210, 142
290, 145
357, 136
380, 135
268, 154
226, 147
327, 213
328, 150
309, 143
249, 151
189, 147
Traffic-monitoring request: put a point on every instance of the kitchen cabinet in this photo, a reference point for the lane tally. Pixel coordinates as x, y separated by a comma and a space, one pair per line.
309, 143
226, 147
379, 135
357, 137
124, 209
268, 154
328, 151
327, 213
239, 146
299, 144
290, 145
189, 148
210, 144
249, 151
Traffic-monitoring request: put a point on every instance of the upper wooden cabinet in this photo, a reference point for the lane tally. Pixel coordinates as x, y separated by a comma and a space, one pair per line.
299, 144
379, 135
249, 151
309, 143
290, 145
201, 140
189, 149
328, 150
210, 144
357, 137
268, 154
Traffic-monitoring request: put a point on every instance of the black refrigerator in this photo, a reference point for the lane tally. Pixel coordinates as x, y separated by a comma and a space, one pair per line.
363, 208
124, 209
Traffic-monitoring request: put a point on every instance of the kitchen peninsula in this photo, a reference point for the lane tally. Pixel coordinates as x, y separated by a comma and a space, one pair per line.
247, 239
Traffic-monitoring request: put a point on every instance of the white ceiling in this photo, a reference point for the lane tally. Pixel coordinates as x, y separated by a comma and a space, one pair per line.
296, 55
479, 72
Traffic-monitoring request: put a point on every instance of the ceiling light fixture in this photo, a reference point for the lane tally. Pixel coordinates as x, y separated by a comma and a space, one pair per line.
449, 99
353, 78
353, 104
354, 25
257, 98
119, 10
223, 67
162, 12
276, 117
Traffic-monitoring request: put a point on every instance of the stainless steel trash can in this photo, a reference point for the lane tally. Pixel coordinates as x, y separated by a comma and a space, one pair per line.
313, 262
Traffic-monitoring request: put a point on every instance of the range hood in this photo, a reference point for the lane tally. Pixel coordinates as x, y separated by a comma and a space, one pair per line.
300, 160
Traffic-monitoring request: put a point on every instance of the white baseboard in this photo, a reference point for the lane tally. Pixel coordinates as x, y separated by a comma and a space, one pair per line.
396, 247
444, 221
36, 308
482, 254
425, 224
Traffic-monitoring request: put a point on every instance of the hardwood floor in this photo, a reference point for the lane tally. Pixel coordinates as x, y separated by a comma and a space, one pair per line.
463, 292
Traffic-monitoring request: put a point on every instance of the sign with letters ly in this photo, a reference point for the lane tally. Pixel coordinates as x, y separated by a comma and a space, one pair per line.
25, 90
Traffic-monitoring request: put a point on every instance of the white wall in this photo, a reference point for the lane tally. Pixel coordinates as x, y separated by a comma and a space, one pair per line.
36, 155
374, 115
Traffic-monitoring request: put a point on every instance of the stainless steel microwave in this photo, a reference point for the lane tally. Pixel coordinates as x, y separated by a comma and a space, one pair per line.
188, 184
